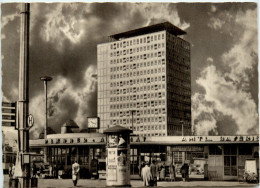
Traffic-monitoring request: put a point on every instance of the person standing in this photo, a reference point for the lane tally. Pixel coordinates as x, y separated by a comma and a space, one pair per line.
172, 172
185, 172
141, 166
146, 175
75, 172
10, 170
154, 172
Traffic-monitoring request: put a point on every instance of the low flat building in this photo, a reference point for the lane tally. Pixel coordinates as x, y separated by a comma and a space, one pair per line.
225, 156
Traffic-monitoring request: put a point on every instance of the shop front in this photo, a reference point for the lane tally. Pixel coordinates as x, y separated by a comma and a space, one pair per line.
63, 149
209, 157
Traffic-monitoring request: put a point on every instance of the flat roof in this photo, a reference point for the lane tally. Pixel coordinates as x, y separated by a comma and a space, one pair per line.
100, 139
150, 29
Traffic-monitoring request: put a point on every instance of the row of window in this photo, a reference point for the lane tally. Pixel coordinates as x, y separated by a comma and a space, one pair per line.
172, 49
178, 58
179, 67
137, 49
160, 126
137, 73
134, 66
178, 91
137, 113
177, 113
145, 56
137, 41
178, 103
153, 134
178, 41
141, 104
137, 81
138, 89
139, 96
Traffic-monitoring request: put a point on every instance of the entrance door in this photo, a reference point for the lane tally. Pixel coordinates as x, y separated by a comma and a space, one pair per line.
230, 160
134, 162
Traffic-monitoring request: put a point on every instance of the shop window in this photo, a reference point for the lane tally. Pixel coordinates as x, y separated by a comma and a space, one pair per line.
215, 150
245, 150
230, 160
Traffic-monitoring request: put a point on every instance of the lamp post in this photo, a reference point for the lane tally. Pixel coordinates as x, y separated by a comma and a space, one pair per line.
23, 103
45, 80
181, 122
132, 112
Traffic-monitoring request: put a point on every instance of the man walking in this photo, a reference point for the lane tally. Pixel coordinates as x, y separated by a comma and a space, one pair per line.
146, 175
154, 171
75, 173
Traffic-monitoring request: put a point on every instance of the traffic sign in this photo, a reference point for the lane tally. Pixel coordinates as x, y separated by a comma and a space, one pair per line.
30, 120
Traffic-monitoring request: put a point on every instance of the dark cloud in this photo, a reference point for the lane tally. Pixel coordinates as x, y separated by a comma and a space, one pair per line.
64, 38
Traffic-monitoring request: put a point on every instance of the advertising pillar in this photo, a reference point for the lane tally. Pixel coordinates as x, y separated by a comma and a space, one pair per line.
118, 156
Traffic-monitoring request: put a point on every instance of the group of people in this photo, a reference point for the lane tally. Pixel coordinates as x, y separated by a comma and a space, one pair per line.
150, 173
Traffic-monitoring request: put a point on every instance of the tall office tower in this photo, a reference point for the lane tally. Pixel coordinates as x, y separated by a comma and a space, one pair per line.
144, 81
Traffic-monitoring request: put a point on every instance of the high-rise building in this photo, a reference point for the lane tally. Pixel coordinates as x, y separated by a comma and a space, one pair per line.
144, 81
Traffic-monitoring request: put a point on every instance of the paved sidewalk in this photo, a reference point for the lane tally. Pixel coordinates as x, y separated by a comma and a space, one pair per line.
67, 183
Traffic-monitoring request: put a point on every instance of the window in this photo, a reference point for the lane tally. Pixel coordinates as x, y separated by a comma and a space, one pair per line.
215, 150
230, 160
245, 150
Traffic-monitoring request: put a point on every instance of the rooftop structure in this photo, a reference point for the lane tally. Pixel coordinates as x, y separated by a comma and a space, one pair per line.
166, 26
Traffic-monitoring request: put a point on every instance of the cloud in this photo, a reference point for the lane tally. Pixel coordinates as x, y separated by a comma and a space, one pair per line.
63, 40
227, 94
216, 23
210, 60
213, 8
65, 102
6, 19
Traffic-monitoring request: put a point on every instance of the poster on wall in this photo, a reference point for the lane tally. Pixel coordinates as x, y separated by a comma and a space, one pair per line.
112, 141
112, 156
111, 172
122, 140
250, 166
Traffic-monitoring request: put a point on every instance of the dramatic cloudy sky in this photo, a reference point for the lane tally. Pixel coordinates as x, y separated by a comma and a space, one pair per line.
63, 40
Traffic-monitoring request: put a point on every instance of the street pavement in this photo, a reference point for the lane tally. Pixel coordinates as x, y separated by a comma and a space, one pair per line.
67, 183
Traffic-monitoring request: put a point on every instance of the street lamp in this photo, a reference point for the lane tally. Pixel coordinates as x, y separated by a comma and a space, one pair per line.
181, 122
132, 112
45, 79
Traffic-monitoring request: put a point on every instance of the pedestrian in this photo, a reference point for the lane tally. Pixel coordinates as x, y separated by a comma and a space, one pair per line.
75, 173
55, 171
10, 170
172, 172
185, 172
34, 170
141, 166
206, 177
154, 172
13, 170
146, 175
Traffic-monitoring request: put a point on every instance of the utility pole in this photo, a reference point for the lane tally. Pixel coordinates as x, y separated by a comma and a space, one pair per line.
181, 122
23, 103
132, 112
45, 80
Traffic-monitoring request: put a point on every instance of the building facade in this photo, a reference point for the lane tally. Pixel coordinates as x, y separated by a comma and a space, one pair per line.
144, 81
225, 156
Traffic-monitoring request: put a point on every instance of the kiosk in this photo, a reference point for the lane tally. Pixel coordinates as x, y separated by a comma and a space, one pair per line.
118, 156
